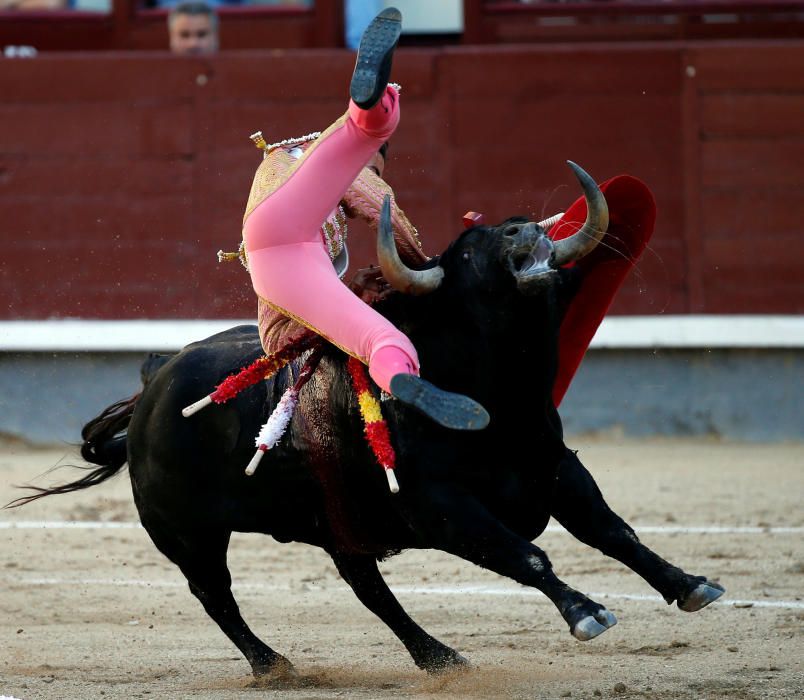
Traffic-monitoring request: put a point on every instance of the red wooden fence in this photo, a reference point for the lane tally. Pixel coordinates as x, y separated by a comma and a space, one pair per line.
130, 27
121, 175
510, 21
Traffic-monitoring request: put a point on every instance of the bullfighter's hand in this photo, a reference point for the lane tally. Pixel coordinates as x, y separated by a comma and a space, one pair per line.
369, 284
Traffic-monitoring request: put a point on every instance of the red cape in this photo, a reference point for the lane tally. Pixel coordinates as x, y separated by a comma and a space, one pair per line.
632, 215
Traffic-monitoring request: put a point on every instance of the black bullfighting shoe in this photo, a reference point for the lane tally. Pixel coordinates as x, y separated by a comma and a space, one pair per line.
454, 411
374, 58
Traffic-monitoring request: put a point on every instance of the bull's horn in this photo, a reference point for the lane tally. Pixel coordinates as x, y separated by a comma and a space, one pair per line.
399, 275
597, 221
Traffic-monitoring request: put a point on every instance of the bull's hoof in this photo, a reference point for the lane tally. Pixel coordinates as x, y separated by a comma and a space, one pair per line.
701, 596
593, 625
279, 673
446, 661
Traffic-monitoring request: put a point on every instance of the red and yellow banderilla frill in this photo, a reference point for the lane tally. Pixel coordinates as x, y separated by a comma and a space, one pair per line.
262, 368
374, 425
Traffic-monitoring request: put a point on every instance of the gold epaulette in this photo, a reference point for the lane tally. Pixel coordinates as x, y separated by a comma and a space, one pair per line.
258, 140
239, 255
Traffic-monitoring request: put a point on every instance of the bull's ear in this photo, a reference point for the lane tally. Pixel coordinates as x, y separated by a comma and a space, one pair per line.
399, 275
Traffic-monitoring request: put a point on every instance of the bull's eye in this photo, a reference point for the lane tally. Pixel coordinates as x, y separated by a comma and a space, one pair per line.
466, 255
511, 231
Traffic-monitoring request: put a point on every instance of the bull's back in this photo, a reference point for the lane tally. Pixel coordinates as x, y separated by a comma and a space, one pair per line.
189, 472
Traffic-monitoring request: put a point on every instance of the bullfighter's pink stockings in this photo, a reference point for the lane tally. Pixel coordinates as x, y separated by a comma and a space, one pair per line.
288, 259
289, 263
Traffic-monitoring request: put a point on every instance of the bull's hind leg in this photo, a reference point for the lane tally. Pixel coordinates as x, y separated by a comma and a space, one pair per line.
201, 556
362, 574
453, 521
580, 507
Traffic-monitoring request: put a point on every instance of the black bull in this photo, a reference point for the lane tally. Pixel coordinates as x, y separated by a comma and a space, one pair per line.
489, 329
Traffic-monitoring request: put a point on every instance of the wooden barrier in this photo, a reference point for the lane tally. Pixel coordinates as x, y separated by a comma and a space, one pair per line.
129, 26
551, 21
121, 175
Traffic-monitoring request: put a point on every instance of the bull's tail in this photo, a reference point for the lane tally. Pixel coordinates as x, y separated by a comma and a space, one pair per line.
104, 444
105, 440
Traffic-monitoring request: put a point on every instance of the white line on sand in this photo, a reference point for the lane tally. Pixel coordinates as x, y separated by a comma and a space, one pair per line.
647, 529
67, 525
467, 589
504, 591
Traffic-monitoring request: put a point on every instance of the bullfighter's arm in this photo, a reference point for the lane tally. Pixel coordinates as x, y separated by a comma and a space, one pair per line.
364, 199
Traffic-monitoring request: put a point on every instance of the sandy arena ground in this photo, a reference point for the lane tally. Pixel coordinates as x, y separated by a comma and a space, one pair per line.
97, 612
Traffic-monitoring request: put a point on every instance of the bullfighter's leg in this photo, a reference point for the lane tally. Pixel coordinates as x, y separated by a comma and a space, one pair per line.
288, 261
455, 522
201, 556
362, 574
580, 507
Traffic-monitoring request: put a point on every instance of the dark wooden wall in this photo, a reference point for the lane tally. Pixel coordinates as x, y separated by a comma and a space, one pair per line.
511, 21
121, 175
128, 27
131, 27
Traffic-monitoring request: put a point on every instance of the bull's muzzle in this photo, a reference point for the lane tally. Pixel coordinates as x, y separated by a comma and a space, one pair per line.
533, 257
528, 252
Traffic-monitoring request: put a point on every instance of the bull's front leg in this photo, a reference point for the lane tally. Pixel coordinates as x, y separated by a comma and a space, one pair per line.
361, 573
580, 507
453, 521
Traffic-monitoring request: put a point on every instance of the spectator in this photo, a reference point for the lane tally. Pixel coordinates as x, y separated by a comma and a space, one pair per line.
193, 28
